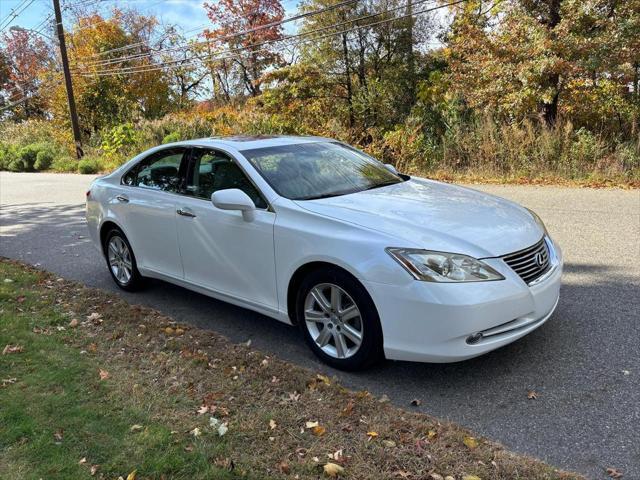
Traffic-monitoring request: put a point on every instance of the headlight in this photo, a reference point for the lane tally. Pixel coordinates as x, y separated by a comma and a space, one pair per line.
538, 221
443, 267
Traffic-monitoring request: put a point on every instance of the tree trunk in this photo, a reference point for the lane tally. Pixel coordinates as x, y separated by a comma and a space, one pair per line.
549, 110
347, 73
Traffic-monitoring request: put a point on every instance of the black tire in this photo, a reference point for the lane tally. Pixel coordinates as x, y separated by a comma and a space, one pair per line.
135, 281
370, 350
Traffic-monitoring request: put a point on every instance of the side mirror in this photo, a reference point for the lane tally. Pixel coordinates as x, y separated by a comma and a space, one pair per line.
391, 168
234, 199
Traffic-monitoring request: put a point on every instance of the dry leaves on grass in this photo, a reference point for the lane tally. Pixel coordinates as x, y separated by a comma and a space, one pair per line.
470, 442
333, 470
103, 374
9, 349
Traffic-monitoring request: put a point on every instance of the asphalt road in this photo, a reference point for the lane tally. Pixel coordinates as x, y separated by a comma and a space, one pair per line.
584, 363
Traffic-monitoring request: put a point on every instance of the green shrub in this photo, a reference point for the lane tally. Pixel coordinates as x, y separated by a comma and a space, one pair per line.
88, 165
7, 155
44, 159
64, 164
27, 158
172, 137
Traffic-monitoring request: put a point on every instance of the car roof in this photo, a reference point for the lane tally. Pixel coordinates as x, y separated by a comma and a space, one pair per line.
250, 142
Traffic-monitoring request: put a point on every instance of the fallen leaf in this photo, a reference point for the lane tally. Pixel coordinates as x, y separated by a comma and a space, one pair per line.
104, 374
82, 461
416, 402
94, 317
222, 429
324, 379
431, 434
272, 424
295, 396
132, 475
348, 409
203, 409
283, 467
94, 469
8, 280
318, 430
311, 424
21, 298
614, 472
401, 474
384, 399
169, 331
449, 477
179, 331
337, 455
333, 470
532, 395
135, 428
73, 323
470, 442
471, 477
196, 432
9, 381
436, 476
12, 349
372, 435
389, 443
58, 435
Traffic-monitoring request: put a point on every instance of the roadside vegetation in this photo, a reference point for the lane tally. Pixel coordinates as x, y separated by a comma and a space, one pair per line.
518, 90
93, 387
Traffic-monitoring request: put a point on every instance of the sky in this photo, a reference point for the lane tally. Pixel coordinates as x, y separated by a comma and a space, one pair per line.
188, 14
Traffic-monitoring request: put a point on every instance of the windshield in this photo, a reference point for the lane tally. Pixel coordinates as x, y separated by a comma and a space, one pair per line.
306, 171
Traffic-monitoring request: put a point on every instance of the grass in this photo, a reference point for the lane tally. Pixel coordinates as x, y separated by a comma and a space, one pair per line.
99, 384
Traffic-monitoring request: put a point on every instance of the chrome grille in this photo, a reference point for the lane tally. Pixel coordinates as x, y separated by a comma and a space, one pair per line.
530, 263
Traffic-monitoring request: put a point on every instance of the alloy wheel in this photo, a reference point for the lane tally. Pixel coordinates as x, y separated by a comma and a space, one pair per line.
333, 320
120, 260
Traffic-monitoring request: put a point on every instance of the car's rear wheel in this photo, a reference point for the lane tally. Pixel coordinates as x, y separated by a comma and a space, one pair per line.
339, 320
121, 261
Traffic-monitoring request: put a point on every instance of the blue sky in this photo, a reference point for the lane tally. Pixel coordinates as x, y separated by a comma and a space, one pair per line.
187, 13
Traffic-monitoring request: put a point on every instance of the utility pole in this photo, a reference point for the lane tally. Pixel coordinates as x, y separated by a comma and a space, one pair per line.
67, 79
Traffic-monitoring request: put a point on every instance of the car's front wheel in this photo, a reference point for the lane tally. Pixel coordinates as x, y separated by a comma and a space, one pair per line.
121, 261
339, 320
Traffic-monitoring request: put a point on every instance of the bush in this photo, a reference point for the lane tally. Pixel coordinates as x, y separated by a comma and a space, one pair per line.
88, 165
44, 159
172, 137
7, 155
64, 164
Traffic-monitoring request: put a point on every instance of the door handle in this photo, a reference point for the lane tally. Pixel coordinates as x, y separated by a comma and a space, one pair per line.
122, 198
185, 212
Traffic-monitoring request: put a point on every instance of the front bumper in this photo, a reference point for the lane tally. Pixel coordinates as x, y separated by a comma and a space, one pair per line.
433, 322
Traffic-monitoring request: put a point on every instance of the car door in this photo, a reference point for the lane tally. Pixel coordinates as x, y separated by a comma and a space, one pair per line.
147, 201
220, 250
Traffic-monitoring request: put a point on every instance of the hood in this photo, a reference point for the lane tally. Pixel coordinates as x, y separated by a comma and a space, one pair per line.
436, 216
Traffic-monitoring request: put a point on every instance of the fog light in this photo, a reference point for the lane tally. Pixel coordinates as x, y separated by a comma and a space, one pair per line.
475, 338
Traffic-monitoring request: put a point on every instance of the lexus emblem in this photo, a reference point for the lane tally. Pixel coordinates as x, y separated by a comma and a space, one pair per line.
539, 259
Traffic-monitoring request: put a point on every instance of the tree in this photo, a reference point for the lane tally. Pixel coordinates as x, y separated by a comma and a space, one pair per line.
519, 57
24, 57
252, 56
115, 73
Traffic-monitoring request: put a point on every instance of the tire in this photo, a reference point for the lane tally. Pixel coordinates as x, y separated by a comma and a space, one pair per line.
323, 322
124, 269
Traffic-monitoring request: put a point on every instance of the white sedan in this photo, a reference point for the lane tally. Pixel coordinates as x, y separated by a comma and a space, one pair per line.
368, 262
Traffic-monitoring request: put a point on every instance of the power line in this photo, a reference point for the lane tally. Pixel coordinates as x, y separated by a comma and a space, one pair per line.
15, 13
288, 37
237, 34
187, 62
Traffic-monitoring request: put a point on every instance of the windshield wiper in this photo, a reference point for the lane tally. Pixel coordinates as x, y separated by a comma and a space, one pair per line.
381, 184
